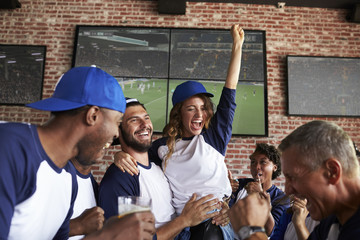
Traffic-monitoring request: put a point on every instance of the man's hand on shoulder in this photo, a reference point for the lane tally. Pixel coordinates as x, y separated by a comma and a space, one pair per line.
125, 162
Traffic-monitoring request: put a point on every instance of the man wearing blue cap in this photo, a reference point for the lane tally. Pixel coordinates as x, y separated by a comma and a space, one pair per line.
37, 185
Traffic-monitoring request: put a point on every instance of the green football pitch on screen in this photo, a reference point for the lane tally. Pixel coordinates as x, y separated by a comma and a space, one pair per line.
249, 116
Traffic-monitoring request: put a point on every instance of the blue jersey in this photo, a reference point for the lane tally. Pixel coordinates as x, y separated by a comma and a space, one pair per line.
285, 229
36, 196
279, 203
151, 183
350, 230
116, 183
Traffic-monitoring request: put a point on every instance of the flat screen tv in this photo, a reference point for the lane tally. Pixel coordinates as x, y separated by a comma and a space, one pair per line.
323, 86
150, 62
21, 73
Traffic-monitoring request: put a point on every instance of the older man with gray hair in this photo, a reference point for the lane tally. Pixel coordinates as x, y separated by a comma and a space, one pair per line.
320, 164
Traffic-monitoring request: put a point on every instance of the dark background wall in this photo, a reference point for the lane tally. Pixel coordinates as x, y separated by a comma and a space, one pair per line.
289, 30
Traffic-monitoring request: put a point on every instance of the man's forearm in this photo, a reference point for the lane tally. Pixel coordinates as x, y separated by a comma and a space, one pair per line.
301, 231
269, 225
75, 227
171, 229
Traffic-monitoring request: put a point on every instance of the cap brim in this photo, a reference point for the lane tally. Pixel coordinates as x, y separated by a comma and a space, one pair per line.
55, 105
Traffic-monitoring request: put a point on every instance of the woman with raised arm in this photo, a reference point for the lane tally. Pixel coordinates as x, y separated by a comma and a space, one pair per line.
193, 148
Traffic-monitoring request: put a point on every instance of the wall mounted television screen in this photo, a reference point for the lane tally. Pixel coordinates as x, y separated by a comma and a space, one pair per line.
150, 62
323, 86
21, 73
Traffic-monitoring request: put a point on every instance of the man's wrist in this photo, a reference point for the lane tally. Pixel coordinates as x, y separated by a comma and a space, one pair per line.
246, 231
182, 221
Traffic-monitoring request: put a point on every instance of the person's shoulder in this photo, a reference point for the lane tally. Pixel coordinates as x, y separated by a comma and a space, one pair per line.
117, 182
278, 197
11, 125
113, 172
276, 189
70, 168
154, 150
14, 125
160, 141
113, 169
351, 225
13, 129
20, 142
349, 230
322, 230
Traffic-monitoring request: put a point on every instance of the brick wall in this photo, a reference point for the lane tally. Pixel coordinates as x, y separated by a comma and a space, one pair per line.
291, 30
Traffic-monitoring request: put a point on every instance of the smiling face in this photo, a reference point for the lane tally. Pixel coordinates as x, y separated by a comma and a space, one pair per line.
304, 183
104, 124
262, 168
136, 128
193, 116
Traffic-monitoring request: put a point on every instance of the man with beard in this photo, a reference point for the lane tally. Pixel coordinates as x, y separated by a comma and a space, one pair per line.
135, 138
37, 184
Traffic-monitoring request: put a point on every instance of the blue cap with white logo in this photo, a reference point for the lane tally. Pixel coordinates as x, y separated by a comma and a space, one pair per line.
188, 89
81, 86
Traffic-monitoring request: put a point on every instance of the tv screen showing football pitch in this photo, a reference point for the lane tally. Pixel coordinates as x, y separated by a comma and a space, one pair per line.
150, 62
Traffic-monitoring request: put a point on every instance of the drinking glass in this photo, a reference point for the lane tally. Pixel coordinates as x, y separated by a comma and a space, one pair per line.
132, 204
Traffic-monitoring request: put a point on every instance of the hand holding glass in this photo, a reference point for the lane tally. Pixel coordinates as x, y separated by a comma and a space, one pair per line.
132, 204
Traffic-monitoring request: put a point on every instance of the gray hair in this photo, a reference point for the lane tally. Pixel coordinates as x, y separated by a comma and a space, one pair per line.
318, 141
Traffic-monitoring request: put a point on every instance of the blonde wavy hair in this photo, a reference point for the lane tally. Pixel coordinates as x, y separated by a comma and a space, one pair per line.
174, 129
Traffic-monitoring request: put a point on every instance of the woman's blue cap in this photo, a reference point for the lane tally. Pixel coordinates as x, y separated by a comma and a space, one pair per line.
81, 86
188, 89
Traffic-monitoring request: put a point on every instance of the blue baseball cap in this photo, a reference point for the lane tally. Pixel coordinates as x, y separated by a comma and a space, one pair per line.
188, 89
81, 86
